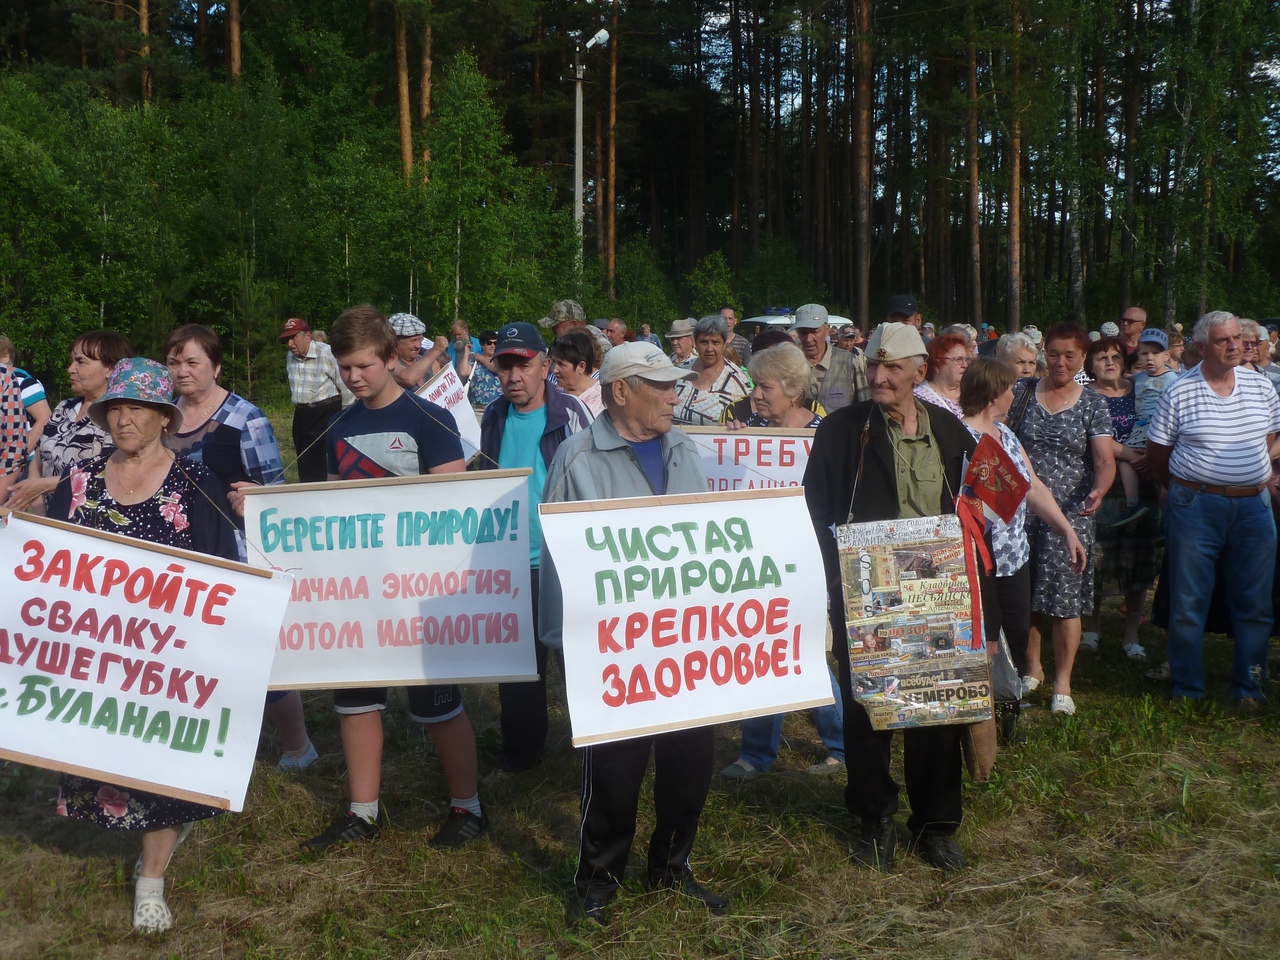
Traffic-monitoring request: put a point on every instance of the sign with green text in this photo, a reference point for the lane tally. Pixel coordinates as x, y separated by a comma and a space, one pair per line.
142, 665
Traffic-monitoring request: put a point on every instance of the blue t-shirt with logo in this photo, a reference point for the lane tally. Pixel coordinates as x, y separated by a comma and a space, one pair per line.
408, 437
521, 447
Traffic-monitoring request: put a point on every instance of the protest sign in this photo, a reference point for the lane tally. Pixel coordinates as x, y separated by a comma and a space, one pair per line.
447, 389
683, 611
391, 591
754, 458
138, 664
916, 652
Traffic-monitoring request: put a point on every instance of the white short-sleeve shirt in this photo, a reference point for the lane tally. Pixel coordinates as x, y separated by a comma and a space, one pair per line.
1217, 440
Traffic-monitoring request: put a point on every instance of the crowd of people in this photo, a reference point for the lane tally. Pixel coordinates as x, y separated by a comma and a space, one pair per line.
1147, 456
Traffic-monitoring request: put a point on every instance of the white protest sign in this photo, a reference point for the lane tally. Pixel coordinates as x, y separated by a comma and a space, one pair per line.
754, 458
400, 580
447, 389
683, 611
137, 664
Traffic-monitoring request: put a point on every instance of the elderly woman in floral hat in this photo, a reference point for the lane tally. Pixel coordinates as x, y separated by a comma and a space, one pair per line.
142, 489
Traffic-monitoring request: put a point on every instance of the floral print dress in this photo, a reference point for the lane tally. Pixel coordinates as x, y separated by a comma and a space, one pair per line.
180, 514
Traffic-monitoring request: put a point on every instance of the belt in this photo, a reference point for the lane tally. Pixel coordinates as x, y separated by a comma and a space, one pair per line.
1250, 491
328, 401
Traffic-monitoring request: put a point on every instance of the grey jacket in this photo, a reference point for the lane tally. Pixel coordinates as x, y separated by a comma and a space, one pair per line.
598, 464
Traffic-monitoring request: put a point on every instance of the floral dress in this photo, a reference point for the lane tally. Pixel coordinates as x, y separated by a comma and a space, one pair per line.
1060, 452
180, 514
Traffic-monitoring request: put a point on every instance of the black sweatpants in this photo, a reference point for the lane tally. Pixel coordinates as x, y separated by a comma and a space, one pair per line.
309, 422
612, 774
523, 719
1006, 603
932, 762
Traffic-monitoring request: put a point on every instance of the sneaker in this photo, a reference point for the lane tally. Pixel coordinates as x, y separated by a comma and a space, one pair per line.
585, 910
1159, 673
1135, 652
940, 850
878, 844
1030, 685
151, 914
463, 826
1133, 512
690, 888
827, 768
288, 764
348, 827
1088, 642
741, 770
1061, 705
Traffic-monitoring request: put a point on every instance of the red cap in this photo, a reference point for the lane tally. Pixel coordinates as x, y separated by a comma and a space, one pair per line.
295, 325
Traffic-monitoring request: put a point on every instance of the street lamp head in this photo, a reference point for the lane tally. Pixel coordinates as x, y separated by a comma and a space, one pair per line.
601, 36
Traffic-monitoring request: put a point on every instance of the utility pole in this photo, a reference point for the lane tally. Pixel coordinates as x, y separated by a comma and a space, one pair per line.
579, 73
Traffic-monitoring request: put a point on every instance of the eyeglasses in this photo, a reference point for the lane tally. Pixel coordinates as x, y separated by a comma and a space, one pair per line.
1128, 320
488, 343
958, 361
1250, 343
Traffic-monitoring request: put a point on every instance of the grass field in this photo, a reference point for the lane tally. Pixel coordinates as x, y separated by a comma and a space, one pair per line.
1134, 829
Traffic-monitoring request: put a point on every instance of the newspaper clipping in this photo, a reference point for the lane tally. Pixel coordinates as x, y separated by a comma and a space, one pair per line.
915, 656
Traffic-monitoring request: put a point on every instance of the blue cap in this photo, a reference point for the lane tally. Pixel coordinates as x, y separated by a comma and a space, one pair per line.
1155, 335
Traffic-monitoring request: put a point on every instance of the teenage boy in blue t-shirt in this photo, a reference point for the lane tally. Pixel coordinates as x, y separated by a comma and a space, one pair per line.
391, 432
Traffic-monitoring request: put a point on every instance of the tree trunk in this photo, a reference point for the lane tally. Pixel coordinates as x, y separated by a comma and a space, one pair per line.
611, 210
144, 51
754, 98
862, 149
202, 29
735, 190
975, 224
402, 88
598, 192
424, 103
233, 38
1015, 181
117, 13
1075, 280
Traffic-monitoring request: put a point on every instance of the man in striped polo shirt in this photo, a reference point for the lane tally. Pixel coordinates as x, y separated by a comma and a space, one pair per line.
1210, 441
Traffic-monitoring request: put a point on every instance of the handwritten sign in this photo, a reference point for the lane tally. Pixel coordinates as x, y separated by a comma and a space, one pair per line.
752, 459
137, 664
400, 580
684, 611
447, 389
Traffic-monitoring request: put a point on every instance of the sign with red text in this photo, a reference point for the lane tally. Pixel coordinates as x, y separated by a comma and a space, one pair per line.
447, 389
140, 665
753, 458
683, 611
402, 580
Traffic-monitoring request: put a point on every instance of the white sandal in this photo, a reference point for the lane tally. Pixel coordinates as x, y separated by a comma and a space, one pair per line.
1135, 652
1061, 704
151, 914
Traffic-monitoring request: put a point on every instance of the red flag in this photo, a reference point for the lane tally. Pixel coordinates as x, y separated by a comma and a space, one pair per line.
995, 481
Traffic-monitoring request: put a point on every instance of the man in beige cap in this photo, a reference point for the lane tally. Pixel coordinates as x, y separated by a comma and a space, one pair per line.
839, 377
631, 450
893, 456
681, 338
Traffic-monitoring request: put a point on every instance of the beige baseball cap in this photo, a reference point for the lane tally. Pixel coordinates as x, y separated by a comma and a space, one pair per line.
641, 359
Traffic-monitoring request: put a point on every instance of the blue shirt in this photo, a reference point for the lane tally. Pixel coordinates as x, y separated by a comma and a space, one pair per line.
649, 453
453, 350
521, 447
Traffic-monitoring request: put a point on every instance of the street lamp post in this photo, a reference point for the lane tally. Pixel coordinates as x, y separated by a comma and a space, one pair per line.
579, 71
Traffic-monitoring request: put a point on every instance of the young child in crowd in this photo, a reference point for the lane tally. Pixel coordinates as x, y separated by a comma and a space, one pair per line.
392, 433
1153, 376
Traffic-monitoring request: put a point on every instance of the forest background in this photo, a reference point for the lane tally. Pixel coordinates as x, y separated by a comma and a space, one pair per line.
1009, 161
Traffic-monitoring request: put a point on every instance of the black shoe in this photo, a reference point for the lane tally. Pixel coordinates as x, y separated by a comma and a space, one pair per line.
585, 910
348, 827
878, 844
689, 887
463, 826
940, 850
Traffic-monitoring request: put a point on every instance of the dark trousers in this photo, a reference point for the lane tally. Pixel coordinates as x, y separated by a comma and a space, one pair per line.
612, 774
523, 719
1006, 604
309, 423
932, 762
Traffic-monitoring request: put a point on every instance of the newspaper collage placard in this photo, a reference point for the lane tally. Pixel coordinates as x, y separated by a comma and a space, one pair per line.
915, 656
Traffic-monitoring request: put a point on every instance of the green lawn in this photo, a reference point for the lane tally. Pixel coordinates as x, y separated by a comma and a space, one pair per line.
1133, 829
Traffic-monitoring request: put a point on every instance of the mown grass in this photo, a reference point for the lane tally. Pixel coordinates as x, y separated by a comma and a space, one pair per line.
1134, 829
